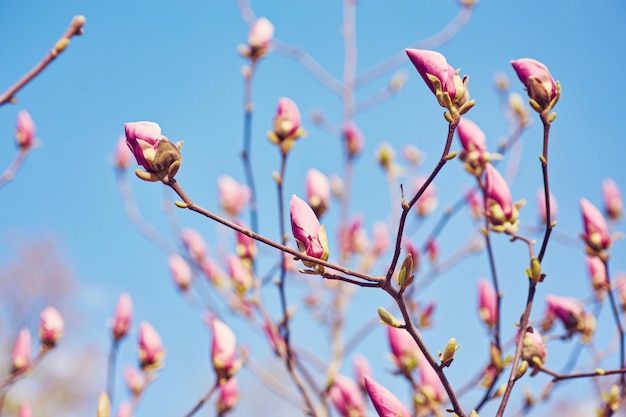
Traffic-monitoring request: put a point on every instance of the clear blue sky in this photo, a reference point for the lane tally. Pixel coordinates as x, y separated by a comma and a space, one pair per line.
177, 64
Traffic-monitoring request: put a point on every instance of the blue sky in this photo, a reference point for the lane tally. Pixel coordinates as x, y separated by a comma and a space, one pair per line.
177, 64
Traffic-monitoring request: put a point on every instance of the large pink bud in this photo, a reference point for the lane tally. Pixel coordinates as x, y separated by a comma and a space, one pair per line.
122, 317
143, 139
385, 403
50, 326
404, 350
539, 84
533, 349
223, 349
596, 234
572, 314
151, 352
430, 384
487, 303
261, 34
346, 396
613, 204
24, 131
309, 235
20, 356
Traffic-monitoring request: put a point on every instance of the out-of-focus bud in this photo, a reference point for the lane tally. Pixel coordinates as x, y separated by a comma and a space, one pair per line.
122, 156
572, 314
541, 206
387, 318
516, 103
501, 82
425, 315
346, 396
597, 274
353, 139
287, 127
596, 234
475, 203
211, 269
442, 79
541, 87
385, 156
430, 393
352, 237
502, 213
533, 349
240, 274
381, 238
24, 410
276, 341
474, 143
404, 350
246, 245
154, 152
259, 39
385, 403
412, 155
194, 244
432, 250
125, 409
362, 369
317, 189
620, 287
447, 356
20, 356
104, 405
405, 276
228, 396
24, 131
613, 204
398, 81
487, 303
336, 186
223, 350
50, 327
135, 380
428, 201
122, 317
409, 247
232, 196
180, 271
151, 352
310, 236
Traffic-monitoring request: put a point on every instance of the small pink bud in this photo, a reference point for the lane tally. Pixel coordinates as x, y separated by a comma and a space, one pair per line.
122, 156
541, 206
223, 349
533, 348
122, 317
20, 357
487, 303
440, 77
180, 271
596, 234
135, 380
572, 314
276, 341
211, 269
409, 247
261, 34
346, 396
475, 203
24, 131
232, 196
143, 139
597, 274
287, 119
246, 246
24, 410
613, 204
352, 237
317, 191
362, 369
194, 243
381, 238
50, 326
412, 154
125, 409
354, 141
428, 201
501, 210
309, 235
151, 352
432, 250
385, 403
404, 350
240, 274
474, 144
430, 384
228, 396
535, 76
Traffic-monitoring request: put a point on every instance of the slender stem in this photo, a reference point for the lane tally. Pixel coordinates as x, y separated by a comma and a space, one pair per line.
75, 29
620, 328
15, 166
111, 369
283, 268
247, 145
546, 185
203, 400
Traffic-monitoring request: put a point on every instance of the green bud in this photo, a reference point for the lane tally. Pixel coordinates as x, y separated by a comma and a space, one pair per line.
405, 276
388, 319
448, 353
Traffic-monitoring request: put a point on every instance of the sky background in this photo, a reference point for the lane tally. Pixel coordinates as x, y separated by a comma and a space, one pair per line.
177, 64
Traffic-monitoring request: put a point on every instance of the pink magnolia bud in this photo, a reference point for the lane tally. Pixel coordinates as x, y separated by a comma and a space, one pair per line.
381, 238
180, 271
487, 303
409, 247
385, 403
125, 409
194, 243
50, 326
501, 210
474, 144
428, 202
412, 154
232, 196
620, 287
533, 349
309, 235
440, 77
24, 131
20, 357
287, 119
143, 139
362, 369
572, 314
597, 274
353, 139
122, 156
596, 234
404, 350
276, 341
346, 396
539, 84
122, 317
541, 206
239, 273
223, 349
613, 204
352, 237
246, 246
261, 34
24, 410
151, 352
430, 384
211, 269
317, 191
475, 203
135, 380
228, 396
432, 250
426, 314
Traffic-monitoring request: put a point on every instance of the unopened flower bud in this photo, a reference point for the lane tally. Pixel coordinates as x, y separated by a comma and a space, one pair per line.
50, 327
24, 131
385, 403
180, 271
596, 234
613, 204
122, 317
228, 396
104, 405
541, 87
20, 356
151, 352
448, 353
353, 139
